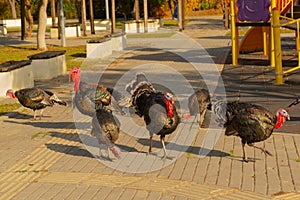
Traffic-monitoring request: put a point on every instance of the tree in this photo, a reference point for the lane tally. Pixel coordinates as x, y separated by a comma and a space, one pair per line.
92, 26
41, 41
83, 17
29, 18
13, 8
53, 13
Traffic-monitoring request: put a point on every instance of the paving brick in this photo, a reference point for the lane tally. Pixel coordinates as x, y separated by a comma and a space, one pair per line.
141, 194
236, 166
225, 164
65, 191
274, 184
128, 194
115, 194
283, 164
102, 193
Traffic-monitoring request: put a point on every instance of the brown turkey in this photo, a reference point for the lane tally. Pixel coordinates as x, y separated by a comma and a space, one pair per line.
93, 100
197, 103
35, 99
106, 129
157, 108
88, 96
252, 123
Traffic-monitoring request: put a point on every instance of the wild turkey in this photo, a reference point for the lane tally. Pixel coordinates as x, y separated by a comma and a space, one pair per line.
106, 129
35, 99
157, 109
88, 96
197, 103
91, 96
297, 101
93, 100
252, 123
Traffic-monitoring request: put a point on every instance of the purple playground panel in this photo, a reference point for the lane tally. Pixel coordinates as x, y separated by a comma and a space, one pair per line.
253, 10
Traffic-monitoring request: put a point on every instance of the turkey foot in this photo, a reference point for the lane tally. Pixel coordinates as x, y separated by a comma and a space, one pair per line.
262, 149
106, 157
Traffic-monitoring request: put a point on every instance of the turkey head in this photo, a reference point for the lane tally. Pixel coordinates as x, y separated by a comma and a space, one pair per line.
75, 73
10, 93
282, 116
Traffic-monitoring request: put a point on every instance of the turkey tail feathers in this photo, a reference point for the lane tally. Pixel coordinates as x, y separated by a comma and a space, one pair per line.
219, 107
55, 99
297, 101
139, 80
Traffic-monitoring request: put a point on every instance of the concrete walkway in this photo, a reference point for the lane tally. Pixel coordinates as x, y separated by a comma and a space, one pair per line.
53, 158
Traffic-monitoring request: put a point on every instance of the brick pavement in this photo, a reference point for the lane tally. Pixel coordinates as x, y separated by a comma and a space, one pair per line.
48, 159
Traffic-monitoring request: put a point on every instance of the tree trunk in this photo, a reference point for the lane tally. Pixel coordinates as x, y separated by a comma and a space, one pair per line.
137, 10
29, 18
23, 20
13, 9
92, 17
78, 10
83, 17
53, 13
113, 16
145, 16
41, 40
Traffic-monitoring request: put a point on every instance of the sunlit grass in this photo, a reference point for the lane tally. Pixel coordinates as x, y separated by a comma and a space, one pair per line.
40, 134
6, 108
149, 35
173, 22
22, 52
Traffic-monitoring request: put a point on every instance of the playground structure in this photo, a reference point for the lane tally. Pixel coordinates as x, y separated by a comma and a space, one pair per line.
265, 20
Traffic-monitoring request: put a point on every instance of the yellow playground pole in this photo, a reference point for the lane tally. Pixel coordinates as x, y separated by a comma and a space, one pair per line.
272, 48
277, 43
234, 35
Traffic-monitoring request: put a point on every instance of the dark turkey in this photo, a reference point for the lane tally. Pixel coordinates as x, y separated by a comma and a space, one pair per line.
157, 109
35, 99
197, 103
252, 123
106, 129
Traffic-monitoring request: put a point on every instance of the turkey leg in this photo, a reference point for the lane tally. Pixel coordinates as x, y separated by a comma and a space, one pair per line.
150, 144
34, 115
164, 147
261, 148
41, 113
245, 158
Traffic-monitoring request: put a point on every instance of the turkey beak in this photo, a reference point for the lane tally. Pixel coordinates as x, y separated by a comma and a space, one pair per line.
288, 117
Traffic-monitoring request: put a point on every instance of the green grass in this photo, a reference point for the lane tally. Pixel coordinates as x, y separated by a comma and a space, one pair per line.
231, 152
40, 134
149, 35
6, 108
171, 23
22, 52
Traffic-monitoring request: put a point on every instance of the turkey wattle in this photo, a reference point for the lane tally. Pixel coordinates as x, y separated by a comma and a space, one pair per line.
35, 99
252, 123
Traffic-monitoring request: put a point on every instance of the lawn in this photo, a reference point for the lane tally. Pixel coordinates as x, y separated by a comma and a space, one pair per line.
6, 108
21, 52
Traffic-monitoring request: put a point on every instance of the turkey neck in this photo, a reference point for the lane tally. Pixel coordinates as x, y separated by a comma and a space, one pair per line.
169, 107
280, 121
